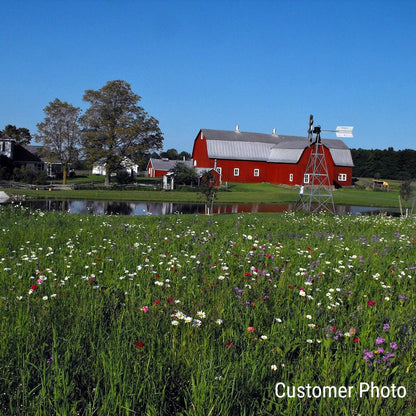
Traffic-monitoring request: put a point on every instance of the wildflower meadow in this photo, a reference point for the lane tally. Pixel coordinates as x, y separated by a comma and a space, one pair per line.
245, 314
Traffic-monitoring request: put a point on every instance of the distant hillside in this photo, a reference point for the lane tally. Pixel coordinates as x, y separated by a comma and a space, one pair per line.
387, 164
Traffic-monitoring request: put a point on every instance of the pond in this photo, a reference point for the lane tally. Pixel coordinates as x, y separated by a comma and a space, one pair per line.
164, 208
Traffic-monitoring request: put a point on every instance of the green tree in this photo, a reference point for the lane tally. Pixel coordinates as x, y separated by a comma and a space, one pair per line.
60, 133
208, 189
20, 135
184, 155
185, 175
171, 154
116, 129
406, 193
406, 190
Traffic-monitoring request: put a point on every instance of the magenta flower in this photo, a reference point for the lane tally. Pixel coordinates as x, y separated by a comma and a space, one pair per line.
380, 340
145, 308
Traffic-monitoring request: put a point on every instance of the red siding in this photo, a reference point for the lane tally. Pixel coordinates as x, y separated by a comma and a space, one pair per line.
160, 173
200, 153
246, 170
152, 173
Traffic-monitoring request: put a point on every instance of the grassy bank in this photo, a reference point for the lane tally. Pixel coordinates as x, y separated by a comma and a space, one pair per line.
195, 315
236, 193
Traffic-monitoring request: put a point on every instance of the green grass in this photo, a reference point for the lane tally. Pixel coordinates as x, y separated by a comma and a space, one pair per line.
89, 304
366, 197
236, 193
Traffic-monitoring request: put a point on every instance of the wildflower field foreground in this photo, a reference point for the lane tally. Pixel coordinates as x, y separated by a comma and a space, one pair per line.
250, 314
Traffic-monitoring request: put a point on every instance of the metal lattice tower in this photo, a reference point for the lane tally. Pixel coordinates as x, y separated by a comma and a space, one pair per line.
316, 190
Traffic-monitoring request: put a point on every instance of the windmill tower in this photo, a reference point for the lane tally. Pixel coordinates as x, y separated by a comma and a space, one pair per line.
316, 190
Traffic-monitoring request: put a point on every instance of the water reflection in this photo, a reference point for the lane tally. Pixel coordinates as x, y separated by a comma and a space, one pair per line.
165, 208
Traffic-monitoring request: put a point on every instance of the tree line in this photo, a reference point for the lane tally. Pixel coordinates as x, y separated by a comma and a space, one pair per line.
385, 164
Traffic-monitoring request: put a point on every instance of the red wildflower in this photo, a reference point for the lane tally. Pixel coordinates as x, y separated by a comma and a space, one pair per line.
139, 344
33, 287
290, 287
229, 344
170, 300
356, 340
250, 329
371, 303
157, 302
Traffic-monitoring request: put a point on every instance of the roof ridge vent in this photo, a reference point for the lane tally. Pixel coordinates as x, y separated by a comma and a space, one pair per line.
237, 128
274, 132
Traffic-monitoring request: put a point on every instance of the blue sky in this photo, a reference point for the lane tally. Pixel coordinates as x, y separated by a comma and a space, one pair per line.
214, 64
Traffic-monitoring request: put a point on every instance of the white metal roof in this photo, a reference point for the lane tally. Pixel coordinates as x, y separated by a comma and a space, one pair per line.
342, 157
237, 145
279, 155
223, 149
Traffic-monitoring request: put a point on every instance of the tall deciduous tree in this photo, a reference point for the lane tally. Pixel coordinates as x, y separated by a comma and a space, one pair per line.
60, 133
117, 130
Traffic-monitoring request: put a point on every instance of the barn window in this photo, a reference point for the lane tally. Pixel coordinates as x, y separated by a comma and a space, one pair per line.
236, 171
342, 177
306, 178
256, 172
194, 162
219, 170
290, 177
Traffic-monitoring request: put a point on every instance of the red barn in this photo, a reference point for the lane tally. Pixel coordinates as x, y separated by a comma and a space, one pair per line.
156, 168
256, 157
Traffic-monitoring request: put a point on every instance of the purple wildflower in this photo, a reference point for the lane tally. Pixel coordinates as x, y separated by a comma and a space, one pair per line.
380, 340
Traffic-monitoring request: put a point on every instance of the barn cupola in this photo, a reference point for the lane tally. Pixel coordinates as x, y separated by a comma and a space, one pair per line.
237, 128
